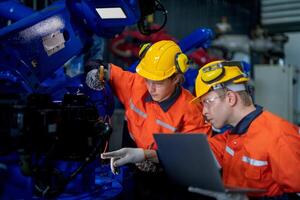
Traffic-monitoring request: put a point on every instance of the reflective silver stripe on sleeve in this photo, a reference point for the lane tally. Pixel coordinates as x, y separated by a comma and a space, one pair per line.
251, 161
164, 124
138, 111
229, 150
299, 130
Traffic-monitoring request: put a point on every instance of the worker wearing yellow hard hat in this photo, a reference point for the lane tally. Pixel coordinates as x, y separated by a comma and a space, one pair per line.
255, 152
154, 102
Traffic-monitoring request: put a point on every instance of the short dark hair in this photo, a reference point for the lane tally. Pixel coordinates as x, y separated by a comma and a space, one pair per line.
244, 95
246, 98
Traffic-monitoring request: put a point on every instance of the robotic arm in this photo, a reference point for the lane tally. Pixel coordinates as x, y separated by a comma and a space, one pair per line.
34, 47
51, 122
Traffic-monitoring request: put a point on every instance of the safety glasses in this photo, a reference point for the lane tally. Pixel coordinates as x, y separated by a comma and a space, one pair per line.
209, 101
216, 71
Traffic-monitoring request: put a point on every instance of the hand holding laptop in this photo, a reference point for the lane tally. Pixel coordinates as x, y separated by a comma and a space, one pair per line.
219, 195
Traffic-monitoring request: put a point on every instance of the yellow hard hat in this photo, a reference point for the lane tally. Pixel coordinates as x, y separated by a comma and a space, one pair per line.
216, 73
161, 60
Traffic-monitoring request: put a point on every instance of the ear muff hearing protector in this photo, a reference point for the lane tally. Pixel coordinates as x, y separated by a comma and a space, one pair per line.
181, 60
212, 74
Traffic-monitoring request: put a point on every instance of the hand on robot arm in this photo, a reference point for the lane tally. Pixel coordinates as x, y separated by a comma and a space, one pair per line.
219, 195
97, 74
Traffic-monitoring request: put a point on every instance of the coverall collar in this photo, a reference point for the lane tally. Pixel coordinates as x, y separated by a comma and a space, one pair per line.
166, 104
244, 124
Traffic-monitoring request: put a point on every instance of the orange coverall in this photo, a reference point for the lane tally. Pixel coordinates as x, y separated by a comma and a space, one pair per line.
146, 117
262, 151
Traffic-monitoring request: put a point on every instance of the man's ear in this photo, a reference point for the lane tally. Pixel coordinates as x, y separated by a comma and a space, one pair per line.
232, 98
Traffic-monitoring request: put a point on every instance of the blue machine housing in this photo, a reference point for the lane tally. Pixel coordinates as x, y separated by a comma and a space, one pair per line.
13, 10
33, 48
33, 51
109, 27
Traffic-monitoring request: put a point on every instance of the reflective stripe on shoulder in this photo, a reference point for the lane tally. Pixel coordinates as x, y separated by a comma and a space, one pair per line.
229, 150
135, 109
299, 130
251, 161
164, 124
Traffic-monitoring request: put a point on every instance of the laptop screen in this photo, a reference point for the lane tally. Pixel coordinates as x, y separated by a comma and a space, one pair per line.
189, 161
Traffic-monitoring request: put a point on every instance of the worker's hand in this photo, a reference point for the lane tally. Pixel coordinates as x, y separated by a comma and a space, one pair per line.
124, 156
92, 79
219, 195
97, 74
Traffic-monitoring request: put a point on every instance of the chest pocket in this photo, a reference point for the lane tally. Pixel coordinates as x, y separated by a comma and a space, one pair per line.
254, 168
135, 115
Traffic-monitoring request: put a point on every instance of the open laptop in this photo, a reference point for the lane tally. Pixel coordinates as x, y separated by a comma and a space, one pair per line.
189, 161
